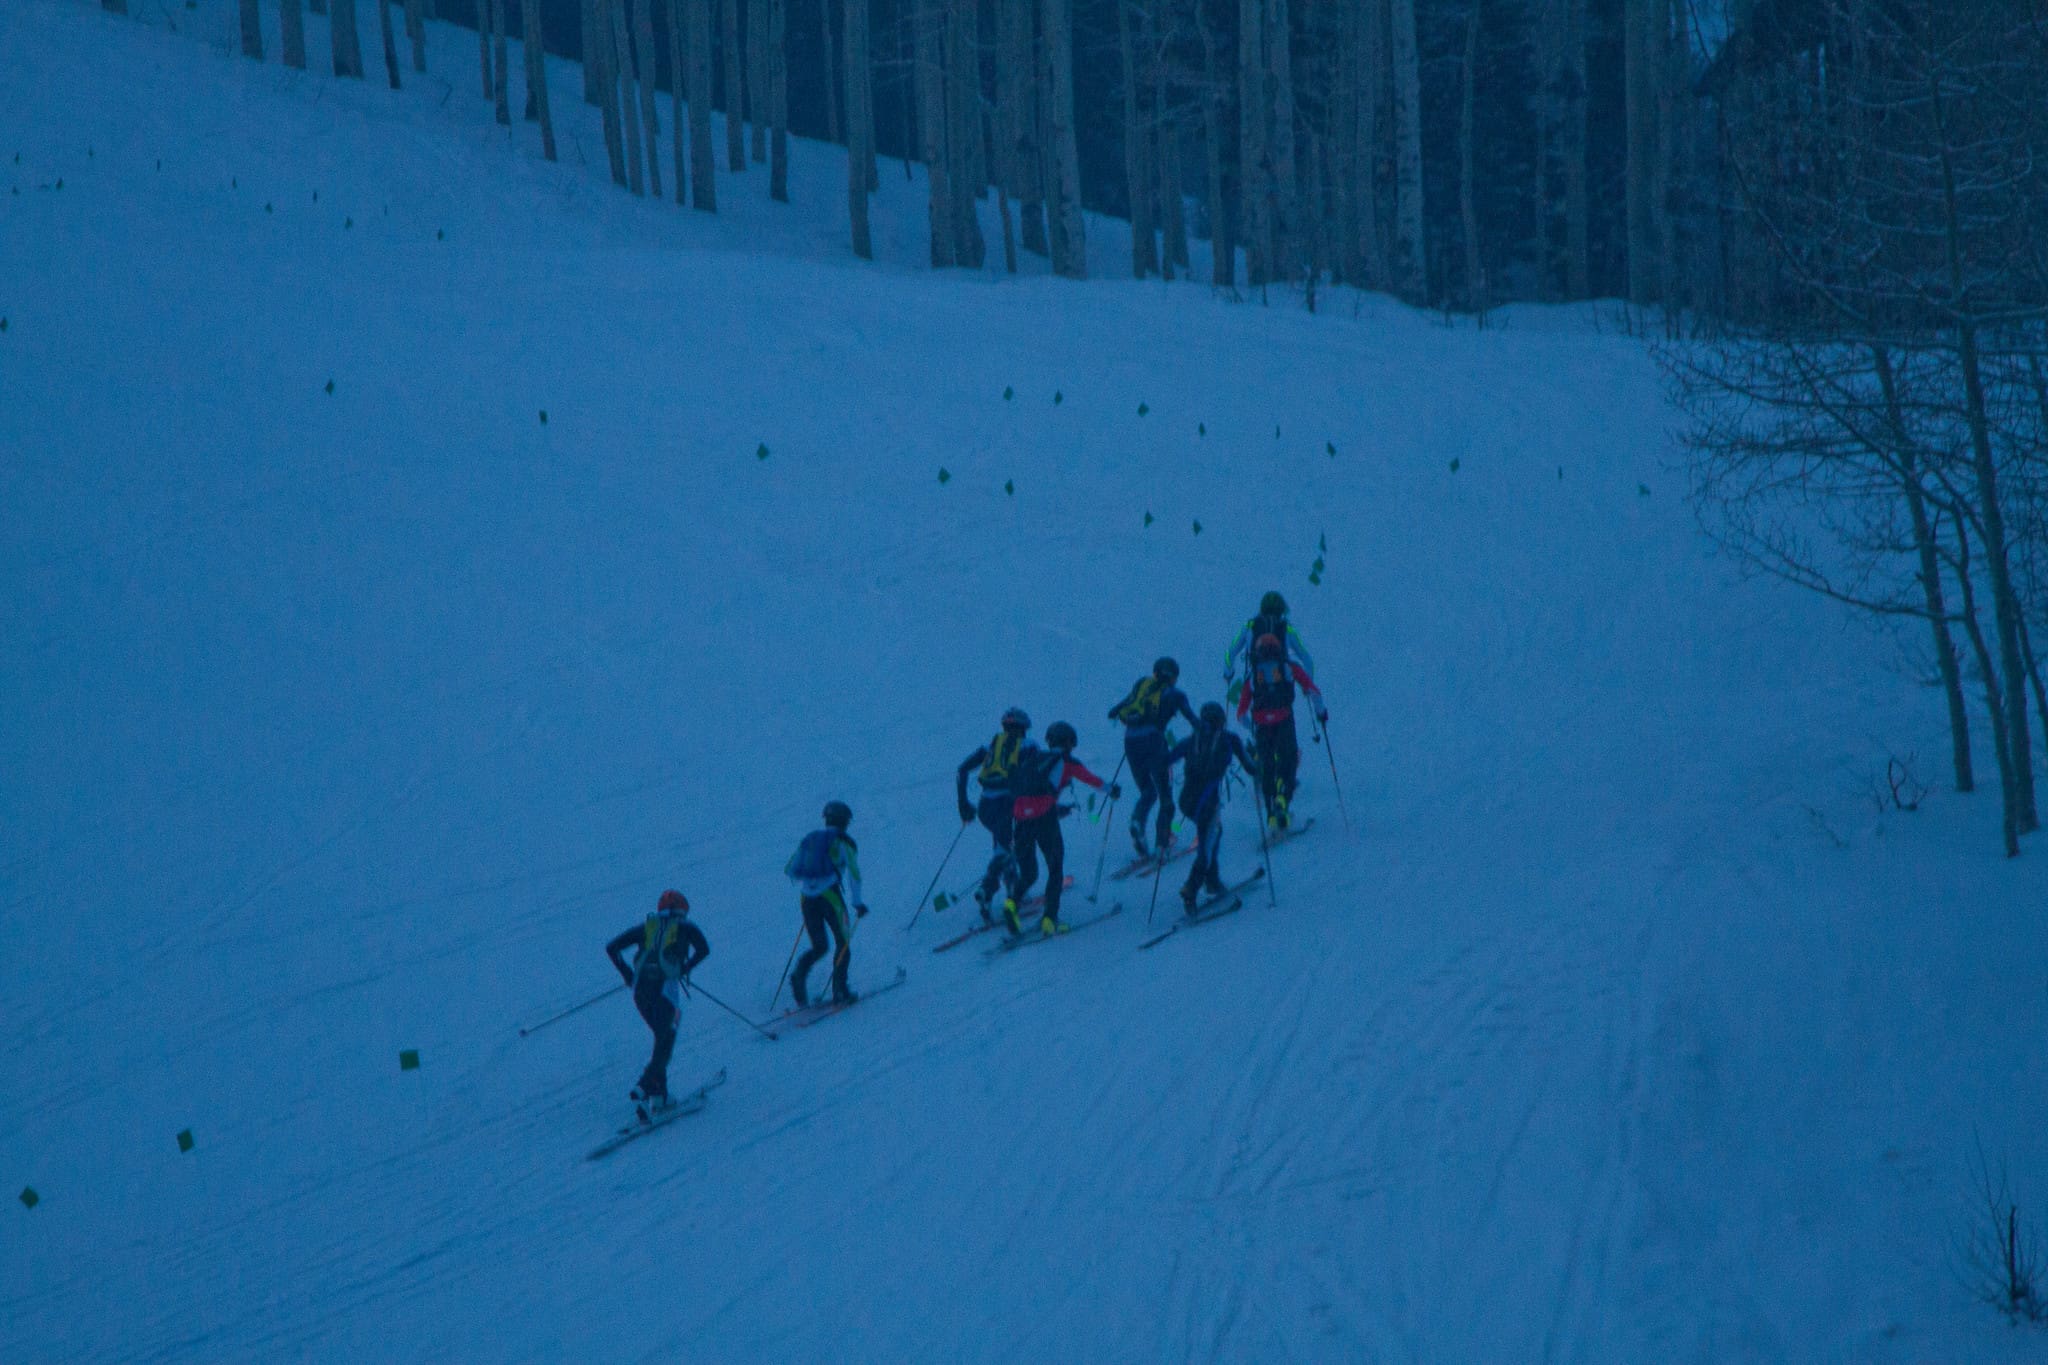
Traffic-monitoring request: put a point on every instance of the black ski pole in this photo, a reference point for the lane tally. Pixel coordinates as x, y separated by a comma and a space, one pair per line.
928, 889
689, 989
1266, 856
1108, 823
555, 1018
785, 966
1159, 870
1330, 752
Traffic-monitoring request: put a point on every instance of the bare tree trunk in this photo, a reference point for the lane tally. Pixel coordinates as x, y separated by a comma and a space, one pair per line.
1995, 702
1222, 238
1373, 66
860, 126
1289, 224
586, 10
114, 6
1544, 125
1070, 243
1173, 249
291, 17
735, 124
757, 76
1137, 171
533, 40
483, 44
678, 96
622, 65
1468, 203
416, 34
703, 157
778, 102
348, 43
252, 30
828, 60
317, 6
1411, 261
644, 74
390, 42
501, 78
933, 126
1642, 76
1254, 158
1578, 236
1016, 118
968, 174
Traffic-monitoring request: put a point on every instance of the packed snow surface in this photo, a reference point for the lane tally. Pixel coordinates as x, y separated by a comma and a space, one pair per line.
350, 708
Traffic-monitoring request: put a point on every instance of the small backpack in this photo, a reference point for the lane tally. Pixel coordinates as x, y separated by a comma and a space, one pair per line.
1272, 684
812, 860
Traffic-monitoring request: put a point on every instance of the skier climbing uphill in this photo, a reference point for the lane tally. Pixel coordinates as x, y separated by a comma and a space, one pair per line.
995, 767
1206, 756
670, 949
1271, 620
1146, 710
826, 869
1042, 774
1269, 699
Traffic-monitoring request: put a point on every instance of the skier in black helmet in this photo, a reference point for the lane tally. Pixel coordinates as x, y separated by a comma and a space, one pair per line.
670, 949
1042, 774
1146, 710
1271, 620
1205, 757
826, 869
994, 765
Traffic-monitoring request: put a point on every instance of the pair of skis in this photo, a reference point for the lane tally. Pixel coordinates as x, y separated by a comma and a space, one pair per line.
1227, 902
684, 1106
1011, 942
1030, 903
796, 1017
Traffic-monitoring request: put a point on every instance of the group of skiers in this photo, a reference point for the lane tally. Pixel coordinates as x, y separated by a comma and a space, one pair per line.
1020, 786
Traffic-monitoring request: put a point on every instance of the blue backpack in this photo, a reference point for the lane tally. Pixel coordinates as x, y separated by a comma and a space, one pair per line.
813, 857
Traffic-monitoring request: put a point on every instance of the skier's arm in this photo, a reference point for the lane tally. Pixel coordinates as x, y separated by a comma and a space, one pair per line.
1300, 651
616, 951
695, 948
1180, 751
1078, 770
1236, 652
1177, 704
1116, 712
968, 765
846, 859
1243, 757
1244, 703
1308, 685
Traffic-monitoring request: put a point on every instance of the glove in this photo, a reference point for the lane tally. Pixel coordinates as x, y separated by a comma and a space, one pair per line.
1322, 715
966, 812
1063, 811
1115, 791
860, 912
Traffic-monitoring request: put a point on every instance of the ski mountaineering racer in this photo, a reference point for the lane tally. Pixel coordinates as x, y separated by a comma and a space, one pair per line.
1042, 774
1205, 757
1146, 710
1269, 699
995, 767
1271, 620
826, 869
670, 949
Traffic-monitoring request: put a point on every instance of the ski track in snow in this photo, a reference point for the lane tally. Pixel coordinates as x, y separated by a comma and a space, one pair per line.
355, 722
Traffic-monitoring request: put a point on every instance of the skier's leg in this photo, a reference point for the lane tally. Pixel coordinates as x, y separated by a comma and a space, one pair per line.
842, 953
814, 925
1162, 782
1137, 753
1290, 757
995, 818
1024, 860
661, 1017
1055, 844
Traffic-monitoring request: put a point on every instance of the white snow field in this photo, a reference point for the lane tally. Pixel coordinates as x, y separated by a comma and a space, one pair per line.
1620, 1026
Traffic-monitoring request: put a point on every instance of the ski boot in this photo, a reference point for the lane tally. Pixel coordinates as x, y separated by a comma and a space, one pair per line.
842, 995
1214, 886
1138, 840
1048, 926
648, 1103
982, 896
1187, 898
1010, 916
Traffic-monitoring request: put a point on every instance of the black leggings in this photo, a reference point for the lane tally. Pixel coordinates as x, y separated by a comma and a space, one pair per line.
1033, 836
1149, 768
1278, 750
821, 912
994, 814
660, 1015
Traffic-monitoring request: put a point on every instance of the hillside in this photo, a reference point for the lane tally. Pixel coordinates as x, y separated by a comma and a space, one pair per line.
352, 706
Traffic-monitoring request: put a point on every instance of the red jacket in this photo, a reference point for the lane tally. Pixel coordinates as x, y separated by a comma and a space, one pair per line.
1064, 770
1277, 714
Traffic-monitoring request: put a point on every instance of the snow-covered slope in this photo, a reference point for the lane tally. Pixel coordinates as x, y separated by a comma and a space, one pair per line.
340, 722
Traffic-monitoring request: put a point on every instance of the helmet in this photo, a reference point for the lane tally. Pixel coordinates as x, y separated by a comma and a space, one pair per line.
1060, 735
1015, 719
674, 900
1267, 647
1212, 715
838, 814
1273, 604
1166, 668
